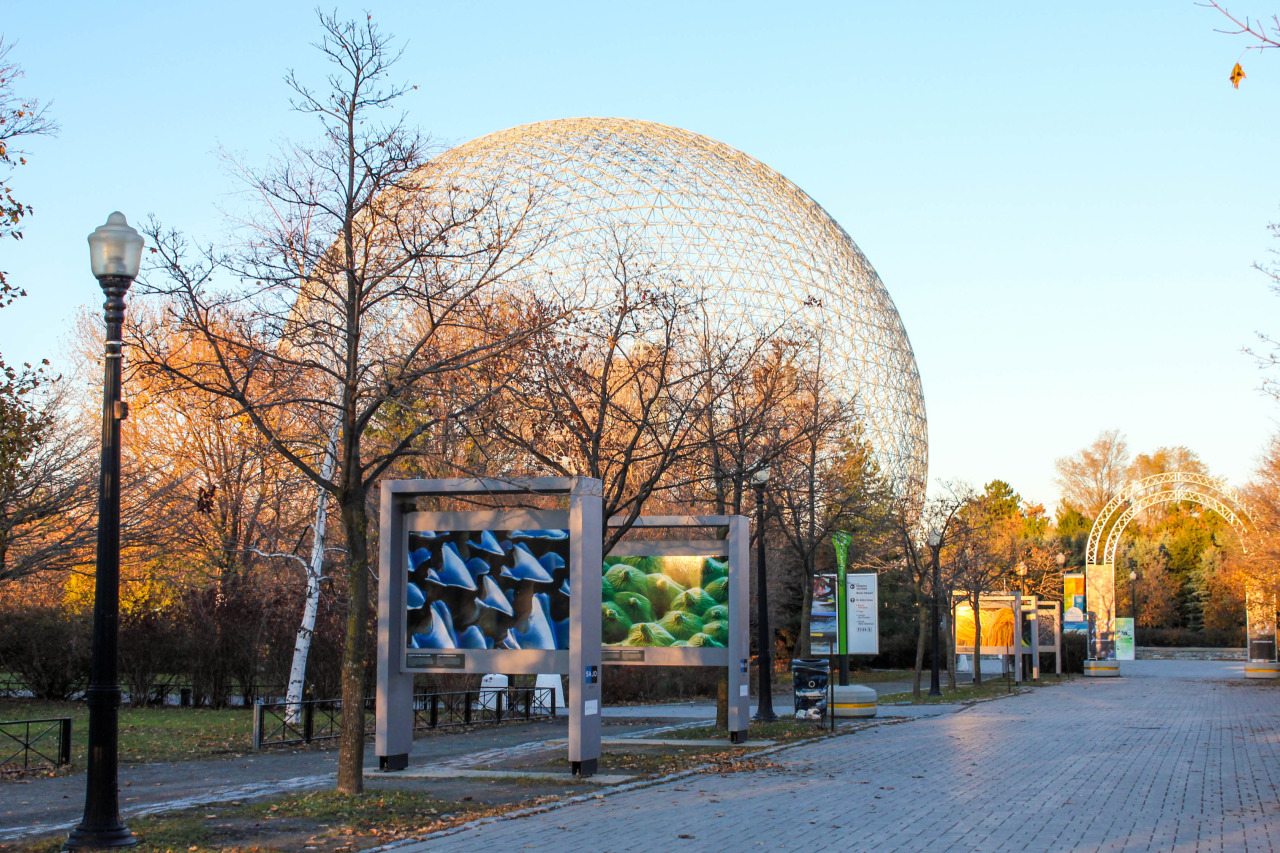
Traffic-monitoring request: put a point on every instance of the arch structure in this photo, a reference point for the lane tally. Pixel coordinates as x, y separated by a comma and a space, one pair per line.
1105, 642
1156, 490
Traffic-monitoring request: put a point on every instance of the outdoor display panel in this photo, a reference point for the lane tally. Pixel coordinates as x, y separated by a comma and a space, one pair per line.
1001, 619
669, 602
1049, 630
510, 590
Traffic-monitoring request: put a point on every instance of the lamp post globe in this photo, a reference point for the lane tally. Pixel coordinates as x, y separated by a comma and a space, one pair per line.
764, 710
115, 254
935, 675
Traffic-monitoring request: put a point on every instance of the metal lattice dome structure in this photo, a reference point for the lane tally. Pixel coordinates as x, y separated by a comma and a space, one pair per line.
761, 248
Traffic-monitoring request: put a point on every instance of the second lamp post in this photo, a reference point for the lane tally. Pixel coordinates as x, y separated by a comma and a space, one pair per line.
764, 711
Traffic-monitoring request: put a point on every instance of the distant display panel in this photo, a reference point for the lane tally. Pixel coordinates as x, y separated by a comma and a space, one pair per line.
665, 601
488, 589
997, 625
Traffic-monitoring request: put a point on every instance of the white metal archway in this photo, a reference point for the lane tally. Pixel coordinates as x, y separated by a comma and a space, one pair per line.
1104, 539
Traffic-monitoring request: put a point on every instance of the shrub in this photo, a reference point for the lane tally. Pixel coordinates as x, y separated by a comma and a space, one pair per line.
1075, 649
658, 683
48, 648
1214, 638
149, 661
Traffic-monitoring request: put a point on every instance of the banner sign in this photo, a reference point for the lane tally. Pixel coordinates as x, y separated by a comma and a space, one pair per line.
1124, 639
1073, 618
862, 628
841, 542
824, 619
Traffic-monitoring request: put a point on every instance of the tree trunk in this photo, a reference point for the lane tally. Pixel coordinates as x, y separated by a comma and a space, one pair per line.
921, 618
722, 701
351, 739
949, 643
806, 611
315, 569
977, 645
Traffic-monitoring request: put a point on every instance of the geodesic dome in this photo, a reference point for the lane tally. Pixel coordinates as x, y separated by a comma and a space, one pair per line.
767, 253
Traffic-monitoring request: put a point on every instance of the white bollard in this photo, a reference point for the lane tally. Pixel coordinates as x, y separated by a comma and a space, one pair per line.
553, 681
491, 687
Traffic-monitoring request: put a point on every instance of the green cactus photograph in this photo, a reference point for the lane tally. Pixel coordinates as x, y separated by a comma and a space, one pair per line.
667, 602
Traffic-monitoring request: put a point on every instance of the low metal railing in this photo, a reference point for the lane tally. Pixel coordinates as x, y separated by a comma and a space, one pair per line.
35, 743
486, 705
292, 723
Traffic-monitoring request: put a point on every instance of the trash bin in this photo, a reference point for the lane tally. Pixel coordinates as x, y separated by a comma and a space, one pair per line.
809, 688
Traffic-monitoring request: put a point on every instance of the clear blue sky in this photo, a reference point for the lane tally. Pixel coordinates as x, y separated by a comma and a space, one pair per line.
1064, 202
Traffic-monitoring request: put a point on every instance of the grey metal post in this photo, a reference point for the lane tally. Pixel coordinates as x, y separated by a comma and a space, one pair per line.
739, 628
585, 560
393, 716
1017, 637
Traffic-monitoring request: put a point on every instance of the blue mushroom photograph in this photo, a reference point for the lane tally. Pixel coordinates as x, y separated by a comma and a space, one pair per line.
488, 589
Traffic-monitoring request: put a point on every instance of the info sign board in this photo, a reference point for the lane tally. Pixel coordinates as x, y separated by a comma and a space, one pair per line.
845, 621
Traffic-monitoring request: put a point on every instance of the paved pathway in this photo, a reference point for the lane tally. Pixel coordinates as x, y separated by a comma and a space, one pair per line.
1177, 755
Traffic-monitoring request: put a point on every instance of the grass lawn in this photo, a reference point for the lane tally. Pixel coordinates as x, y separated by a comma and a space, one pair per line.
321, 821
782, 731
148, 734
989, 689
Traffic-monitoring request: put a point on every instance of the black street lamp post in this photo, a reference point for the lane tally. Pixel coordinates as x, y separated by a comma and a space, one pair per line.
115, 252
1133, 602
764, 711
935, 547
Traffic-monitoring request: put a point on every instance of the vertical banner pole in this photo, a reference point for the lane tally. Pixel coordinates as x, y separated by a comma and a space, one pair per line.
841, 542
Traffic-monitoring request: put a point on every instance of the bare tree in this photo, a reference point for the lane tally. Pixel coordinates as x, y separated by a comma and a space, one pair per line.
827, 480
360, 284
47, 499
910, 524
621, 394
1096, 474
1255, 29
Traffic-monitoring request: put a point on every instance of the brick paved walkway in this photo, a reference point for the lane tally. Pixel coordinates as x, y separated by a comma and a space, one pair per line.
1177, 755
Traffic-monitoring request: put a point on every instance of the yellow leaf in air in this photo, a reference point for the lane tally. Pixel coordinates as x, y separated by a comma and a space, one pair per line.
1237, 74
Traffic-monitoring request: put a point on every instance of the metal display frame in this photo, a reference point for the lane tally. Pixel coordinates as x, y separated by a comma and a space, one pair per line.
1011, 601
734, 656
581, 661
1051, 610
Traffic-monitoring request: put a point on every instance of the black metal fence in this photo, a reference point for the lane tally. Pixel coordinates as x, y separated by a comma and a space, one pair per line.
486, 705
35, 743
292, 723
